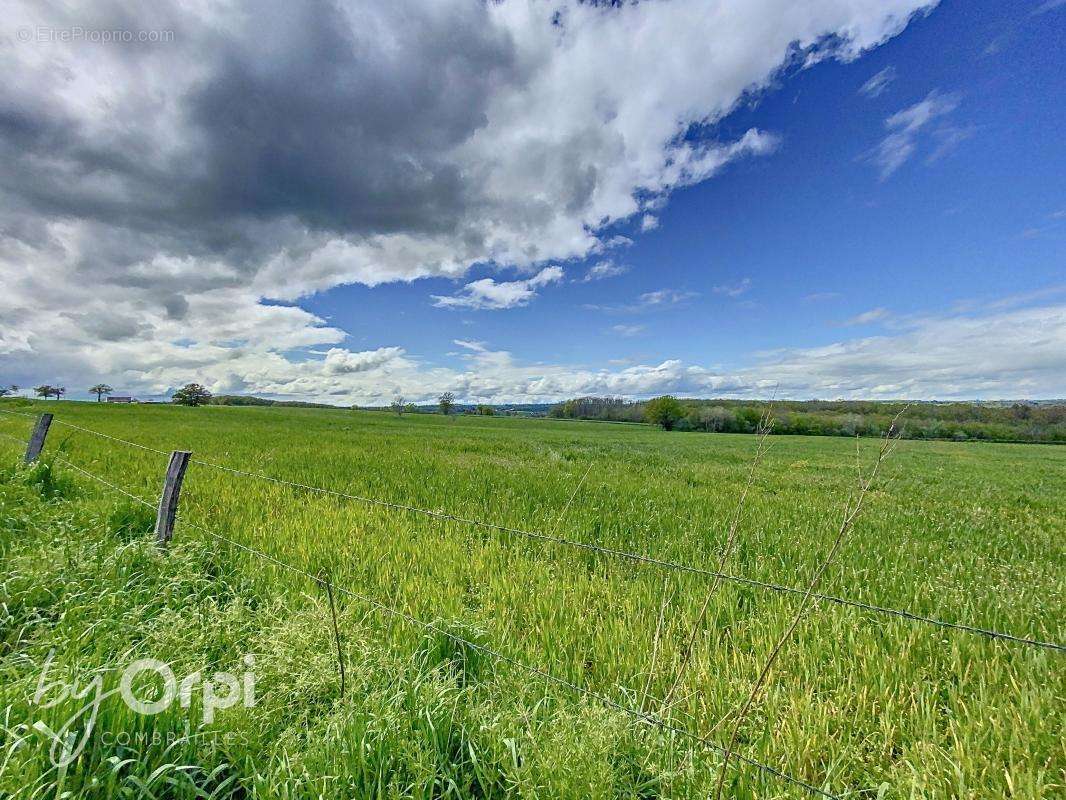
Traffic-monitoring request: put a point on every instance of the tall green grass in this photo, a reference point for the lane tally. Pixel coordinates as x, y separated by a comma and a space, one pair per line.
861, 704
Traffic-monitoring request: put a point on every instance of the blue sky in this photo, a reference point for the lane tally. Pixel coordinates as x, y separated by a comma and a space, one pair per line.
829, 199
812, 235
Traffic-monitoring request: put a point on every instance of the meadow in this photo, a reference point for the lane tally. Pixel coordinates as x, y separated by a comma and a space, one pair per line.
859, 704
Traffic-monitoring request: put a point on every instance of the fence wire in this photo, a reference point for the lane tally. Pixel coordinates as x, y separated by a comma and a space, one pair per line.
636, 558
637, 714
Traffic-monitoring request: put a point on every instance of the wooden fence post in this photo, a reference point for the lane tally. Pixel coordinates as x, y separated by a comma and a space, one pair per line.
168, 501
36, 443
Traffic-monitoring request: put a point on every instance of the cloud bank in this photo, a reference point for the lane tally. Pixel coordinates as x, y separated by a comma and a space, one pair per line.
986, 353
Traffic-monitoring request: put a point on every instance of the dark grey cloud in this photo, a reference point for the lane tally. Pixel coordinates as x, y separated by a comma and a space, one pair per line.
339, 120
344, 121
108, 327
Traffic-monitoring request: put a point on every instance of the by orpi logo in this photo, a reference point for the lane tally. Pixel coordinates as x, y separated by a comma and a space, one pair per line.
222, 690
235, 688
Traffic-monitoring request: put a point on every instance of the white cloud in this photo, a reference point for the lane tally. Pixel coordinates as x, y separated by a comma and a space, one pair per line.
734, 289
648, 301
905, 127
665, 297
866, 317
1048, 5
628, 331
947, 138
345, 362
1019, 299
649, 222
489, 294
1054, 223
878, 83
604, 269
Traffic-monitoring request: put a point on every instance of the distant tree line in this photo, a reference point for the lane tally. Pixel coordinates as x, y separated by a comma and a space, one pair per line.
1022, 422
615, 409
249, 400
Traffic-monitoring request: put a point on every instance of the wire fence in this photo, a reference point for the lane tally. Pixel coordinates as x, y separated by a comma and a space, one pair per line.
609, 702
639, 715
637, 558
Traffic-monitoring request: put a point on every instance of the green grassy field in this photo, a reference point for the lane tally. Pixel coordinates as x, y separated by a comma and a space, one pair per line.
860, 704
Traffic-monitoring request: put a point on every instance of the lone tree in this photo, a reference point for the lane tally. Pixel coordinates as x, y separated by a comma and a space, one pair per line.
100, 390
6, 390
446, 401
484, 410
48, 390
398, 406
664, 411
191, 394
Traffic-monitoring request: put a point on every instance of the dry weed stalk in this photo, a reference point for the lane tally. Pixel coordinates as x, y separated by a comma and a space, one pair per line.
325, 579
569, 502
656, 642
852, 508
766, 424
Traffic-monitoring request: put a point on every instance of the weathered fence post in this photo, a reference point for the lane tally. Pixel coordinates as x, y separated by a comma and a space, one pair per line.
168, 501
36, 443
